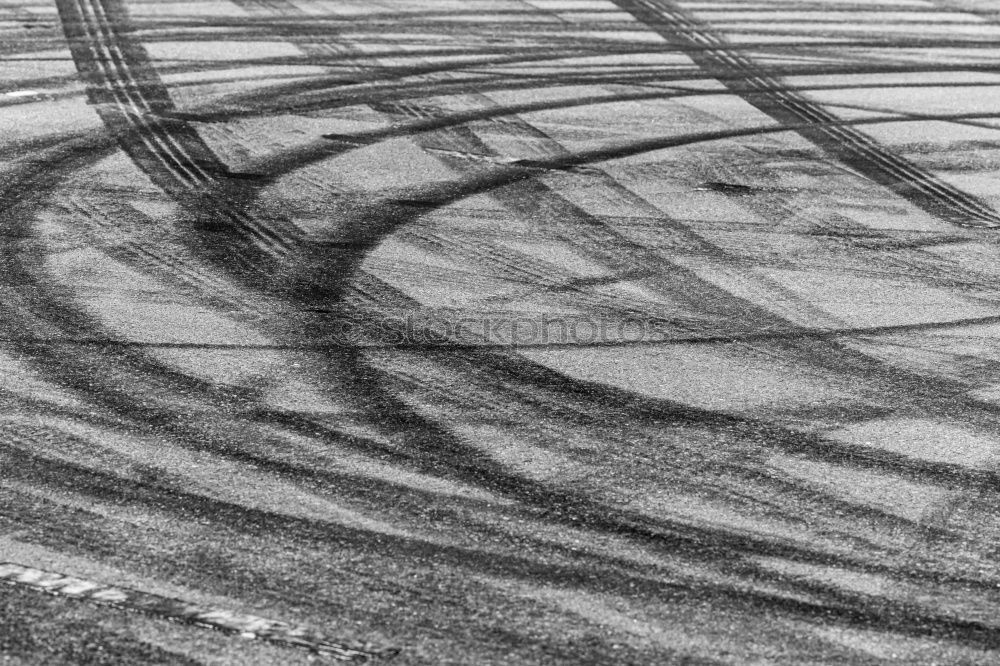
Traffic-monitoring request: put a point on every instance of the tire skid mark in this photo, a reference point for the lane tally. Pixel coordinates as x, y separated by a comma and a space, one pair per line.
478, 148
246, 626
72, 370
360, 392
531, 276
545, 391
262, 104
719, 595
124, 90
98, 485
306, 533
136, 104
152, 416
597, 243
543, 202
173, 498
369, 371
709, 547
437, 195
409, 31
398, 408
760, 89
464, 139
162, 257
706, 339
596, 399
280, 162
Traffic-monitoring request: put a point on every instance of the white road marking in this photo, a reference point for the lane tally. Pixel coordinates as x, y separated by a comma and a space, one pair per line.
246, 626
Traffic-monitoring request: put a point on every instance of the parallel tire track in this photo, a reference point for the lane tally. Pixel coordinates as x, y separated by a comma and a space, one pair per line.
756, 86
416, 407
124, 86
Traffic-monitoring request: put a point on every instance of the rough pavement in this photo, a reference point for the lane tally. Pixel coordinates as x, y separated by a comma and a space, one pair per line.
499, 331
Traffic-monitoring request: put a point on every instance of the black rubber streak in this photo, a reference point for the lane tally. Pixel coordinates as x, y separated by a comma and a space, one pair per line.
231, 237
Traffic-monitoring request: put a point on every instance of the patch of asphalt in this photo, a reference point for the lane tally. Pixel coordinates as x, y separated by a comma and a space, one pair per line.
245, 625
42, 629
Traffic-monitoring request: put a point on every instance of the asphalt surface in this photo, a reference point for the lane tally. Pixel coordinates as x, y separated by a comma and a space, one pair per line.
499, 332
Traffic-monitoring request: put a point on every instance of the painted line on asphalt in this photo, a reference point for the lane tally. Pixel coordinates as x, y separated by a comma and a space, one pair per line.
246, 626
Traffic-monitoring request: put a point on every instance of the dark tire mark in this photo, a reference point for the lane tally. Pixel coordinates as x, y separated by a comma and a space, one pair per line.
814, 123
329, 278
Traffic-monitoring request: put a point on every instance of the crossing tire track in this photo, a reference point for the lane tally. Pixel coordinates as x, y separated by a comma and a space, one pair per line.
757, 87
134, 104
